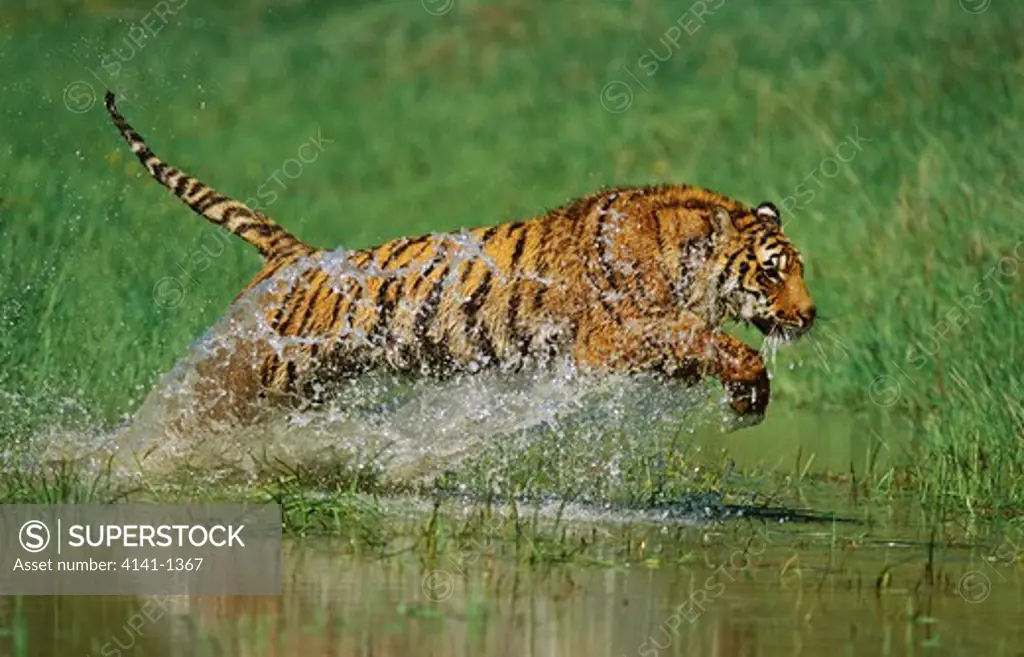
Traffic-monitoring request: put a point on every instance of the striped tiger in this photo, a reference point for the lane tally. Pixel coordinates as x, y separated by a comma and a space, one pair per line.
626, 280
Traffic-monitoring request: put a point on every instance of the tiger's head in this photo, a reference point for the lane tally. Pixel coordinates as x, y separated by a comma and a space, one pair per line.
760, 273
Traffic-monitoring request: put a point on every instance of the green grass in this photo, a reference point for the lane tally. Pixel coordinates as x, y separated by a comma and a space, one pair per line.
493, 112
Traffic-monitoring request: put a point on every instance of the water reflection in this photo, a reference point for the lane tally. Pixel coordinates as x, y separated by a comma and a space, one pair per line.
779, 602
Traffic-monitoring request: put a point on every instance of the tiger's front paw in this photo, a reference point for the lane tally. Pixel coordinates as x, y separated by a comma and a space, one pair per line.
749, 398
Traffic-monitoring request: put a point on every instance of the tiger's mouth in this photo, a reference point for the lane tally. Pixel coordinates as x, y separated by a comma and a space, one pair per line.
780, 331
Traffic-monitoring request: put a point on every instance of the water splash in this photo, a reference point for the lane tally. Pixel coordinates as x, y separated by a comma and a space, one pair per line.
414, 428
53, 448
408, 429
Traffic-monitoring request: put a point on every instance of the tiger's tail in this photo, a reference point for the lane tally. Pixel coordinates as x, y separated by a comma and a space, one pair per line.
270, 239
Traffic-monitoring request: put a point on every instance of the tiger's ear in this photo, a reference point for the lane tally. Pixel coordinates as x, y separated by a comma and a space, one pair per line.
721, 223
769, 212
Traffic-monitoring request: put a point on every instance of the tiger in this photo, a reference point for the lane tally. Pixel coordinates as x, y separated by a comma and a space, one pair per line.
627, 279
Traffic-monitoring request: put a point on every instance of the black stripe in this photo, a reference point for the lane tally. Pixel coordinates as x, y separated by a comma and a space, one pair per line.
697, 204
426, 241
354, 297
580, 208
479, 295
517, 252
580, 212
427, 312
411, 348
261, 229
424, 277
181, 185
541, 264
292, 301
725, 270
205, 200
275, 321
173, 173
610, 309
211, 205
659, 234
732, 259
475, 325
514, 226
512, 319
336, 311
464, 276
385, 309
189, 187
234, 210
430, 269
398, 251
601, 297
269, 369
271, 244
538, 296
489, 234
602, 244
606, 268
435, 356
291, 374
311, 309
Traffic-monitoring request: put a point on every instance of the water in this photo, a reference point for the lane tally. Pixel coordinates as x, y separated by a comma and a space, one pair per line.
411, 429
749, 590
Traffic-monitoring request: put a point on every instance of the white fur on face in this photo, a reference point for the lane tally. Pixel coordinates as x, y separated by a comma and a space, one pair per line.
767, 212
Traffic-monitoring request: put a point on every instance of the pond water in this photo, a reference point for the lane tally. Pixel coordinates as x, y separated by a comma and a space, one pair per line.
746, 588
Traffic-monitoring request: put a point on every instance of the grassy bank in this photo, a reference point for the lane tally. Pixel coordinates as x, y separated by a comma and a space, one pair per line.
890, 133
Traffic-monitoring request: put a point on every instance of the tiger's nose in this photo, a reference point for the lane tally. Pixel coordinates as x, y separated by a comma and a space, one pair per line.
807, 315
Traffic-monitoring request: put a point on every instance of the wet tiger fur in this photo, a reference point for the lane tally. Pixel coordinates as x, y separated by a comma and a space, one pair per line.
630, 280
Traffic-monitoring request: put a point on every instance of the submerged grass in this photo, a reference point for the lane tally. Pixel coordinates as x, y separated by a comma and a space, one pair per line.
894, 151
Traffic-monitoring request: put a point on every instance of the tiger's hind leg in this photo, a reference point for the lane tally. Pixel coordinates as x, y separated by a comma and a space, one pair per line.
682, 349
